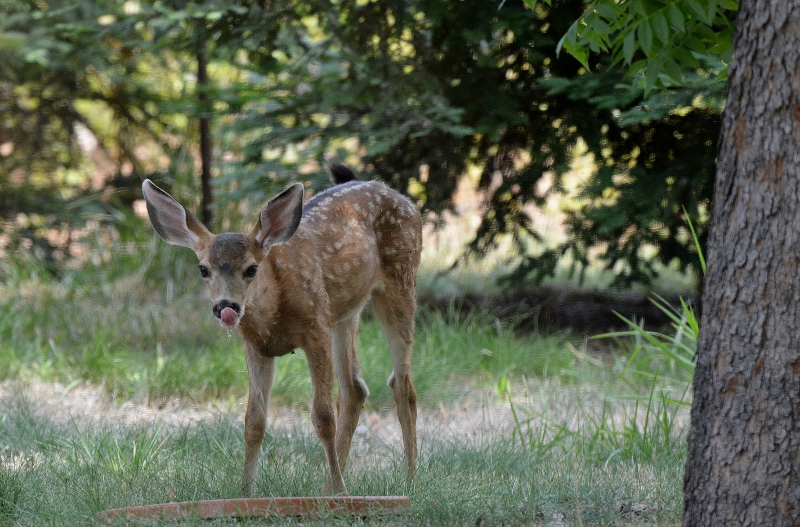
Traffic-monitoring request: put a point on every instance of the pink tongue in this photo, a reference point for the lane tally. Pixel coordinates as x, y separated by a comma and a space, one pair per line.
228, 317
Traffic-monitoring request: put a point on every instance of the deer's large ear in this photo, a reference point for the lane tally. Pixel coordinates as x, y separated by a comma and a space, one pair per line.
280, 217
170, 220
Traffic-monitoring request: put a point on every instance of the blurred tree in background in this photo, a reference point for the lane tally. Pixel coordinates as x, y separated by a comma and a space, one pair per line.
96, 96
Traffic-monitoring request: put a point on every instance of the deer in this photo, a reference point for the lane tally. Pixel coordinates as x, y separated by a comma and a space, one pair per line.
299, 279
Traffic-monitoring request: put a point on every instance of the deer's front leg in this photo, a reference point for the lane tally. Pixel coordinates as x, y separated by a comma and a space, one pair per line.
321, 368
261, 371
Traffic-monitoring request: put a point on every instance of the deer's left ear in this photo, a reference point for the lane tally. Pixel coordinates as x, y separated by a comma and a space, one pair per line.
280, 217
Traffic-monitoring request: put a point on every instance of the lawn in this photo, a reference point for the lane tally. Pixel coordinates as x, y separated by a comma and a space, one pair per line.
563, 452
117, 388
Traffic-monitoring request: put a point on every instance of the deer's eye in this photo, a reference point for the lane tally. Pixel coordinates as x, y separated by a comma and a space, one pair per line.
250, 272
204, 271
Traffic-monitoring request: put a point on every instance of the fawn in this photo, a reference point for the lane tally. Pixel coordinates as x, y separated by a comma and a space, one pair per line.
299, 279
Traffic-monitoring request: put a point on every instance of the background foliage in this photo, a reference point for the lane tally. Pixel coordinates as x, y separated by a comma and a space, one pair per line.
98, 95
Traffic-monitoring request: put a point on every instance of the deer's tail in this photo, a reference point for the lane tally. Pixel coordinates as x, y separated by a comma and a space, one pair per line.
340, 173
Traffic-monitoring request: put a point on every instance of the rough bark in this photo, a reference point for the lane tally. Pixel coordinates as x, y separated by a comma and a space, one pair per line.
743, 464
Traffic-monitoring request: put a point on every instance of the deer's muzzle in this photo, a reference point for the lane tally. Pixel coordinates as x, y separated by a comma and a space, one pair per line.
228, 313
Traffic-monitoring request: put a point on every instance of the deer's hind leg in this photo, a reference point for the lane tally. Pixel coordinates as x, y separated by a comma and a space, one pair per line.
353, 390
395, 308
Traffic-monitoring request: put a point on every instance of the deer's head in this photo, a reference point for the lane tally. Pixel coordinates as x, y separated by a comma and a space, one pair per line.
229, 262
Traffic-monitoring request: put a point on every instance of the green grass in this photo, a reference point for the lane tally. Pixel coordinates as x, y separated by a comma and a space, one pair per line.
597, 439
63, 474
446, 353
136, 336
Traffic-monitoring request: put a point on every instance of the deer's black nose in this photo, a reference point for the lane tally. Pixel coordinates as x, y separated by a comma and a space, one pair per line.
225, 303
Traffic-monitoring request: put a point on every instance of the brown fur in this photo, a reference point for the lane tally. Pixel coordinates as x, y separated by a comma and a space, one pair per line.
356, 242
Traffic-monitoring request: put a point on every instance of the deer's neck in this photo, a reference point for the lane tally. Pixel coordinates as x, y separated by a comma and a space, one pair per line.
282, 307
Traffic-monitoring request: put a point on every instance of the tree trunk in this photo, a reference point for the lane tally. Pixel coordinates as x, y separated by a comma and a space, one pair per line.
743, 465
207, 196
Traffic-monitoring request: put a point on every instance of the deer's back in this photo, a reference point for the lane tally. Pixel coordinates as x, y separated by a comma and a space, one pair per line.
365, 234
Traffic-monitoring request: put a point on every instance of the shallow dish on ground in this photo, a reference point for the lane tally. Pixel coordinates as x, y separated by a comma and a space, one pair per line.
249, 507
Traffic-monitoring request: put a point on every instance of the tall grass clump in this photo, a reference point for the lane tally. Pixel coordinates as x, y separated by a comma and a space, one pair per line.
642, 418
602, 426
668, 355
657, 353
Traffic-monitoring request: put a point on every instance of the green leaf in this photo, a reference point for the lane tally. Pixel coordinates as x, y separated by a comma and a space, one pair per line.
660, 27
686, 58
600, 27
580, 53
711, 10
638, 7
676, 18
651, 72
629, 47
673, 71
724, 42
698, 10
645, 34
571, 34
637, 67
610, 12
569, 42
695, 45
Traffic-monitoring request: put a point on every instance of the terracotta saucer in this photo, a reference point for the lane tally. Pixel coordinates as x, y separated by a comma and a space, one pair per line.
248, 507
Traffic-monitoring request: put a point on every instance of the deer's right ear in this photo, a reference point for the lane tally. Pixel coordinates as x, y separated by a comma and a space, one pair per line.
175, 224
280, 217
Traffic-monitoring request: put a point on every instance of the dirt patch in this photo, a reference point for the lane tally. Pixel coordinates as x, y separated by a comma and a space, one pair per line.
479, 417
